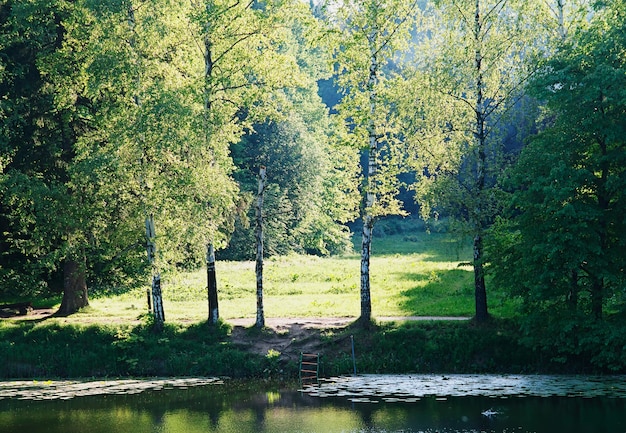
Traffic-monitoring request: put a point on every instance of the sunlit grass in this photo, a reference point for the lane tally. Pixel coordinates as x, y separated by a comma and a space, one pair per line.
420, 275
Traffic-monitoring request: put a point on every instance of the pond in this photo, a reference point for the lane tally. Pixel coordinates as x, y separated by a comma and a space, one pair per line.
372, 404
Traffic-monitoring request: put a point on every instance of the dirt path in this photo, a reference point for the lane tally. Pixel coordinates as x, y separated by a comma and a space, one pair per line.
331, 322
292, 336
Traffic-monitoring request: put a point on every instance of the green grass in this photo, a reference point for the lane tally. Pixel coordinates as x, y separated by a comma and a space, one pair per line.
415, 274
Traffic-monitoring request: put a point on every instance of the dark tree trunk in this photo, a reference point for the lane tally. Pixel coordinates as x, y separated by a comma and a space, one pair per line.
74, 287
480, 291
597, 295
214, 314
260, 314
572, 295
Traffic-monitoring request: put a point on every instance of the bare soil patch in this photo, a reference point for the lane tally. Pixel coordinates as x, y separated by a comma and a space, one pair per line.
292, 336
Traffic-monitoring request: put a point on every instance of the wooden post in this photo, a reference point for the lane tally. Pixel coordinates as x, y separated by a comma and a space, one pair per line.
260, 317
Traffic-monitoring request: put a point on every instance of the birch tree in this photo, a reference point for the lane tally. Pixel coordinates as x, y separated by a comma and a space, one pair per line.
249, 68
179, 184
562, 18
373, 35
479, 57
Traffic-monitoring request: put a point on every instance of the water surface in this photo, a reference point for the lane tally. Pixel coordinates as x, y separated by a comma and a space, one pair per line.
380, 404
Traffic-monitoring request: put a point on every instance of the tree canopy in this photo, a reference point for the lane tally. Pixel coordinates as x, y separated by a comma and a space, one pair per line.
137, 125
563, 243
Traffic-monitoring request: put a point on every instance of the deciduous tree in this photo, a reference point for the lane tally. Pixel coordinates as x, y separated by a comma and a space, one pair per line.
562, 248
475, 64
373, 34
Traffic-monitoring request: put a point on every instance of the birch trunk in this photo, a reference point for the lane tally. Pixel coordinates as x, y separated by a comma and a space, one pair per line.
214, 314
561, 19
260, 317
480, 292
157, 298
366, 248
210, 258
370, 195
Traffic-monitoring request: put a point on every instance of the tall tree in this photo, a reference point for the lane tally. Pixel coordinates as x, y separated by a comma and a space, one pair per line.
247, 67
477, 63
373, 35
562, 247
311, 189
47, 192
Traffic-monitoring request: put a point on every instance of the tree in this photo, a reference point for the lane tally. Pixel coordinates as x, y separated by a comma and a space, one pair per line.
373, 34
476, 65
249, 70
117, 119
47, 190
309, 191
563, 241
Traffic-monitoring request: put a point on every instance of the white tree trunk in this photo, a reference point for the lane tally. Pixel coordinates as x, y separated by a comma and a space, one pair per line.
561, 19
157, 298
370, 190
260, 316
366, 246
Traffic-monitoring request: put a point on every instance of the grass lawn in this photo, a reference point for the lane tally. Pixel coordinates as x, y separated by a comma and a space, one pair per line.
417, 274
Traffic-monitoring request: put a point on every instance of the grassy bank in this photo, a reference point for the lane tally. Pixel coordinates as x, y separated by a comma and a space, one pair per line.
58, 351
66, 350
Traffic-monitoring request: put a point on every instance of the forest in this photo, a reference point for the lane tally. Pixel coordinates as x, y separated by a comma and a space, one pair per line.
139, 137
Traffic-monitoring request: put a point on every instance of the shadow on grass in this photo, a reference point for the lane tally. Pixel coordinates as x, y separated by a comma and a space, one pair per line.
438, 293
434, 247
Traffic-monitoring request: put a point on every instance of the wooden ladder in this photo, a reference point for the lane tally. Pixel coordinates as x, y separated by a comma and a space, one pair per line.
309, 367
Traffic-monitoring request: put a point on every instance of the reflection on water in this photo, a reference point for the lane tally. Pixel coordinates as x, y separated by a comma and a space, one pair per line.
237, 408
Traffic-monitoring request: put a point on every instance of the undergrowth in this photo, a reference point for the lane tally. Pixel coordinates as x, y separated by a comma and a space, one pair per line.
55, 350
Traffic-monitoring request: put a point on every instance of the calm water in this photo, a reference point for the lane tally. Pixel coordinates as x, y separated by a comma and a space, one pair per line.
261, 408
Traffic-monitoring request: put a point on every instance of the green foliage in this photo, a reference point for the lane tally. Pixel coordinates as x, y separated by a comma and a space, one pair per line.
55, 350
50, 205
573, 342
371, 37
311, 181
468, 75
437, 347
104, 120
301, 173
562, 244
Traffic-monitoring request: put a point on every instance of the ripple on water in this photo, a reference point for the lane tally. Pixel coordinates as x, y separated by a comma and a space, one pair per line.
64, 390
403, 387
